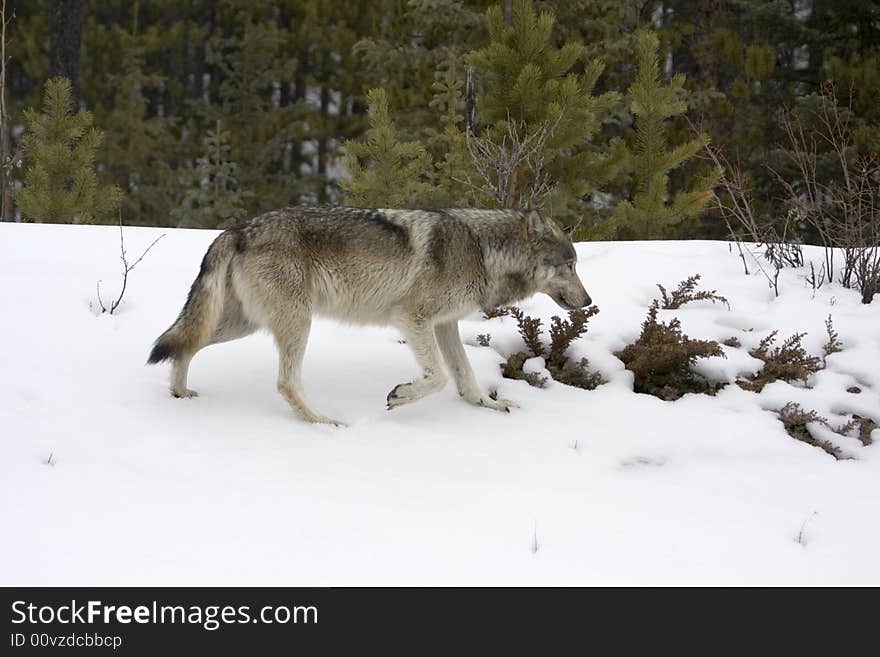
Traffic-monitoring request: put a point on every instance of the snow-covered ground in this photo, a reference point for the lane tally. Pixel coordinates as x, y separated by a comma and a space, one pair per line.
574, 487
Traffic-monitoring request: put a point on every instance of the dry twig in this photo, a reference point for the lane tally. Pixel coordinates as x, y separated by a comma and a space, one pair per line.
126, 269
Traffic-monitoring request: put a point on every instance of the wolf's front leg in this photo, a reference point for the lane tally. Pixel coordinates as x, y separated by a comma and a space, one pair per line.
420, 337
456, 359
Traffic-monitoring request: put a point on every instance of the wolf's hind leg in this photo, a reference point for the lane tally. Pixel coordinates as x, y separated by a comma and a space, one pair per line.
291, 339
449, 340
232, 325
179, 371
420, 337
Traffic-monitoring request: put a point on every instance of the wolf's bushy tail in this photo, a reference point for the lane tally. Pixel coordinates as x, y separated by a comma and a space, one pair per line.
193, 328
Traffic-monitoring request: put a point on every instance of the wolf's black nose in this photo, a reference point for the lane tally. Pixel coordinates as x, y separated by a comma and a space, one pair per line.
587, 302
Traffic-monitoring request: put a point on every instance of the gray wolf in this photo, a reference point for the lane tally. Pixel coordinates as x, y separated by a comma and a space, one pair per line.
418, 270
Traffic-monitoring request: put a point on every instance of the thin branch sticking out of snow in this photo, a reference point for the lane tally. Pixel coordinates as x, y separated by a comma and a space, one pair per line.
802, 534
126, 268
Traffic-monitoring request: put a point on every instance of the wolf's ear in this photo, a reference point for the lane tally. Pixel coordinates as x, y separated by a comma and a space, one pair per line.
536, 223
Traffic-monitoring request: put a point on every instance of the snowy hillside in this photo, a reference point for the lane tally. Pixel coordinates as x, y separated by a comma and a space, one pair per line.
574, 487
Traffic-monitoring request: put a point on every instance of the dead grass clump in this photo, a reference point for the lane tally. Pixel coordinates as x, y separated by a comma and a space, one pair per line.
687, 292
788, 362
513, 369
529, 329
565, 331
795, 420
494, 312
662, 359
576, 373
862, 426
562, 333
833, 344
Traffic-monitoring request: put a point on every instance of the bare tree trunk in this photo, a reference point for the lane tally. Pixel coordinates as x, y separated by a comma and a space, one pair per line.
299, 94
323, 143
65, 29
507, 8
470, 103
5, 194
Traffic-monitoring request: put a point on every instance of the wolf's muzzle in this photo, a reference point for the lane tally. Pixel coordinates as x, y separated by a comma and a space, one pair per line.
565, 303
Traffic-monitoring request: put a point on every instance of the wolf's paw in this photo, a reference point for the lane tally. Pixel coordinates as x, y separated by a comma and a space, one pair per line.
186, 393
487, 401
321, 419
401, 394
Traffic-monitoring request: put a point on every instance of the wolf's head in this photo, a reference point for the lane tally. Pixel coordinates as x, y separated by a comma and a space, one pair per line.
555, 272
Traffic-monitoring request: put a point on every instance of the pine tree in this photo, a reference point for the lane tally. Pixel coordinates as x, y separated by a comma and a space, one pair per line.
536, 99
60, 146
409, 44
216, 200
530, 83
248, 65
448, 145
651, 214
328, 88
760, 55
138, 146
852, 60
384, 171
607, 29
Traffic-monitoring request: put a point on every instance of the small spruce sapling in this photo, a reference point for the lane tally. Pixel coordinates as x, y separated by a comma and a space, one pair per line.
654, 212
384, 171
215, 200
60, 146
